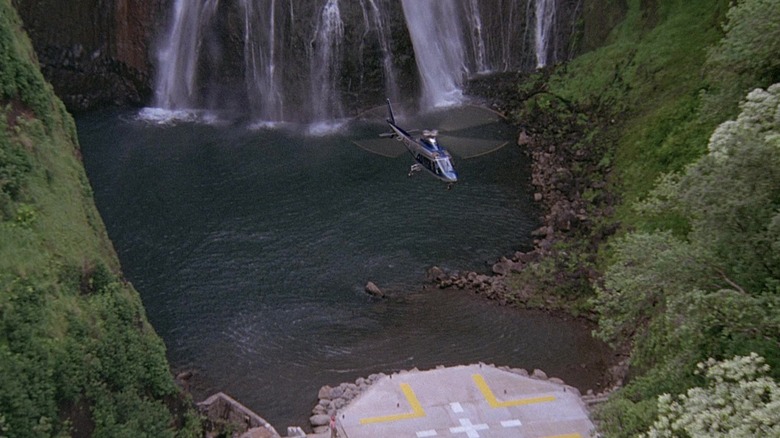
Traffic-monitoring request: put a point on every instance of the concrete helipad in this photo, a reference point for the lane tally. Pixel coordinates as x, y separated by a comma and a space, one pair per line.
468, 401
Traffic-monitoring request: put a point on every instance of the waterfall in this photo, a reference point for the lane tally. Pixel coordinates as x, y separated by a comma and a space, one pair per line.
262, 78
308, 60
178, 57
373, 17
435, 29
325, 63
545, 20
477, 37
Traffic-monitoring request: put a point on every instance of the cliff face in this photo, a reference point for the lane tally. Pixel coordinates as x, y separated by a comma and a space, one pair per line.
94, 52
97, 53
77, 355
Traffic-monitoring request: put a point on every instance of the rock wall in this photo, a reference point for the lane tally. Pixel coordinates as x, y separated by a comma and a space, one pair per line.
95, 53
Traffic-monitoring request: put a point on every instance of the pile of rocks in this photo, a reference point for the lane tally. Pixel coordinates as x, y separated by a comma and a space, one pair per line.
492, 286
331, 399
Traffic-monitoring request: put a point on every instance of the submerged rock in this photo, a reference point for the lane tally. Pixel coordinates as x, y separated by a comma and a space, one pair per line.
374, 290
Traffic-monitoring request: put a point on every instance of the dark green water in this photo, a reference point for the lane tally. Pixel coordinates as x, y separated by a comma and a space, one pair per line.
251, 248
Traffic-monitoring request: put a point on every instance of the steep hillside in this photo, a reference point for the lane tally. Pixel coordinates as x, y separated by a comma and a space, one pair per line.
77, 355
670, 192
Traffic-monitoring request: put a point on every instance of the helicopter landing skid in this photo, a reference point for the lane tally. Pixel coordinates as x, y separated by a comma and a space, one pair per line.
415, 168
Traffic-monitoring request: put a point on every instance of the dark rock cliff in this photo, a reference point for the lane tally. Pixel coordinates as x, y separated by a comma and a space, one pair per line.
95, 52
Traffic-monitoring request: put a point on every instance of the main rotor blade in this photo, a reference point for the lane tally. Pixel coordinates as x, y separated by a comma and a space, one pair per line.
387, 147
465, 147
465, 117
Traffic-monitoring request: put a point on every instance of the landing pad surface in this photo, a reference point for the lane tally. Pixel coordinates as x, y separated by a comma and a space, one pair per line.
467, 401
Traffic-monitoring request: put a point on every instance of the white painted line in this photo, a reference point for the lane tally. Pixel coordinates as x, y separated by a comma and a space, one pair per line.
426, 433
511, 423
456, 407
471, 430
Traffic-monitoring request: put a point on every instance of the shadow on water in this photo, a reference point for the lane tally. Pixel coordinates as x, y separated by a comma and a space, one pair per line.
251, 247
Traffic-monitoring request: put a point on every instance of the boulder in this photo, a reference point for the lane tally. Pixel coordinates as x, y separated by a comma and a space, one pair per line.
324, 392
319, 420
373, 290
523, 138
435, 275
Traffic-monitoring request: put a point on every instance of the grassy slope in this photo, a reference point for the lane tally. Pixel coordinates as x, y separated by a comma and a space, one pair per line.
632, 106
77, 355
650, 72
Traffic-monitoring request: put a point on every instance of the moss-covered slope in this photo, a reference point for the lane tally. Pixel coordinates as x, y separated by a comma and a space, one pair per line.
77, 355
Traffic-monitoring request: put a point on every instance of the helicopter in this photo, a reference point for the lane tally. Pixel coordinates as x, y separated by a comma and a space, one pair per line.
468, 131
426, 151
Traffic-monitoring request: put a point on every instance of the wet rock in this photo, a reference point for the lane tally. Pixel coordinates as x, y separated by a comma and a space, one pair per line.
502, 267
319, 420
523, 138
324, 392
373, 290
435, 274
336, 392
320, 429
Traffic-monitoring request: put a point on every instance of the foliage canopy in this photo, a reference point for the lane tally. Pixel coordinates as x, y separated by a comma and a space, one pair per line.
739, 400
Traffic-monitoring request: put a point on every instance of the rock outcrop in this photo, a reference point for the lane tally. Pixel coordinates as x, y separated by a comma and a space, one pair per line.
95, 53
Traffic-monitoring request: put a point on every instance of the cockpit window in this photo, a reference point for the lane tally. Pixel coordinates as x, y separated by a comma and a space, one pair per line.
444, 164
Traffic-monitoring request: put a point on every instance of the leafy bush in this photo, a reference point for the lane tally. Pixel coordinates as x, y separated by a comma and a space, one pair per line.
745, 58
739, 400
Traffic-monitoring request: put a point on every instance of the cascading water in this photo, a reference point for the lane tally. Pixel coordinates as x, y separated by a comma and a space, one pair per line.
477, 37
304, 60
262, 77
545, 20
374, 18
178, 57
325, 63
435, 29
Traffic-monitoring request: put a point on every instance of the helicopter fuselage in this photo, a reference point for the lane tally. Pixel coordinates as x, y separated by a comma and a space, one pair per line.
426, 151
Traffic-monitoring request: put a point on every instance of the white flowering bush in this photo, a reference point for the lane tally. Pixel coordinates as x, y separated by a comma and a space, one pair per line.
739, 400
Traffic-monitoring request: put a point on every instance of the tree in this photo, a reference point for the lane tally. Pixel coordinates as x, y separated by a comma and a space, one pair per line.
731, 196
746, 57
739, 400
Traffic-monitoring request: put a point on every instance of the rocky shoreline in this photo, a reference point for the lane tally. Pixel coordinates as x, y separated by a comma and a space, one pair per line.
569, 174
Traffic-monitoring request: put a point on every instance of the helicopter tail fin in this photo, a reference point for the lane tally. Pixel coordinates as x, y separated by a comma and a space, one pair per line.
391, 117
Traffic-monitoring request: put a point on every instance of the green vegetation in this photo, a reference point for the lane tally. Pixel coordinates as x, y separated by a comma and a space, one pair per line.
693, 272
739, 401
77, 355
715, 291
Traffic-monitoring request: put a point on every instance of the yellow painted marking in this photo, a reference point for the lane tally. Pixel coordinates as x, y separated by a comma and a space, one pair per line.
417, 409
494, 403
